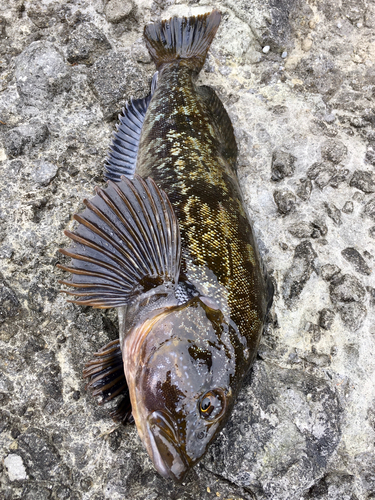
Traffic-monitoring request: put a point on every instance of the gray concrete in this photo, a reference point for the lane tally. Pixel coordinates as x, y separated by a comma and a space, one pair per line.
298, 81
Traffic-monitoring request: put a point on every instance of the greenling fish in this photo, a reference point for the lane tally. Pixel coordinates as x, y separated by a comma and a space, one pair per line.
168, 242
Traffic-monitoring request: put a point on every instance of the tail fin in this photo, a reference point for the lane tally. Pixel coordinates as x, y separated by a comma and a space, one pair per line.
187, 38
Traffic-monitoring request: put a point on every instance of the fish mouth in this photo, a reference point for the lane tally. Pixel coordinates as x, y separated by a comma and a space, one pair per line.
168, 457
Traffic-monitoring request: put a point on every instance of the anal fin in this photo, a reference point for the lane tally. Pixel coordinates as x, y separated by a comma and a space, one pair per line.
122, 154
106, 380
223, 123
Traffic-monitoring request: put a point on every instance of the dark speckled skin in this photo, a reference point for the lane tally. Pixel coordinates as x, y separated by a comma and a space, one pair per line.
180, 149
204, 346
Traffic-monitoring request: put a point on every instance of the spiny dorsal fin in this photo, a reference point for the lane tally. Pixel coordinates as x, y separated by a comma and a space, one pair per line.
223, 123
122, 154
127, 242
184, 39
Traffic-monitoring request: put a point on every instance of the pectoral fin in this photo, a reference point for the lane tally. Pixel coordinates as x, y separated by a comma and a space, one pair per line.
127, 242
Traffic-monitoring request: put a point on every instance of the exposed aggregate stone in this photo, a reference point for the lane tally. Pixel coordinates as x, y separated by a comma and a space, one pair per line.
303, 113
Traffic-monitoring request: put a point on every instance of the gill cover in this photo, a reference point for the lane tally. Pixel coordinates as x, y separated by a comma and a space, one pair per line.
180, 378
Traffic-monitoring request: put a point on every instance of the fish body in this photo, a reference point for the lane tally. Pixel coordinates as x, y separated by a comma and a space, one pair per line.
177, 256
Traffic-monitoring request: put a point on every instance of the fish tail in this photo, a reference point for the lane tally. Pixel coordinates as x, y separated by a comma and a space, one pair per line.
183, 39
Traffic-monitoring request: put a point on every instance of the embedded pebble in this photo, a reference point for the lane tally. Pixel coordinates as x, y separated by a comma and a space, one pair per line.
355, 258
118, 10
44, 172
329, 271
326, 318
365, 181
285, 201
333, 213
347, 288
348, 207
299, 273
15, 467
282, 165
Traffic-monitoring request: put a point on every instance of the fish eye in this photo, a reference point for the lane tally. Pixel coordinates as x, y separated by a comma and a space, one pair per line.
212, 404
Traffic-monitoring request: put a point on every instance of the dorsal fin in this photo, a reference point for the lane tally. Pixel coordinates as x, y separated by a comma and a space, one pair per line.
122, 154
223, 123
127, 243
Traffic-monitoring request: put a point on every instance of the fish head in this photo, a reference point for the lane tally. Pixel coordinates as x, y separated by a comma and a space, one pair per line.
181, 384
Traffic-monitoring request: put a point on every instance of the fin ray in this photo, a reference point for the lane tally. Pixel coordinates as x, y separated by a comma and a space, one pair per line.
106, 379
126, 243
182, 38
125, 140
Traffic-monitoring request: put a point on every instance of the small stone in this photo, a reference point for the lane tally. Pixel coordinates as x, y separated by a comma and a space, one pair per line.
370, 155
321, 173
353, 314
364, 181
304, 189
285, 201
330, 118
15, 467
9, 303
118, 10
18, 138
86, 44
41, 73
299, 273
330, 271
36, 492
347, 288
369, 209
333, 213
358, 196
284, 55
334, 151
282, 165
266, 49
301, 230
114, 78
76, 395
307, 44
348, 207
305, 229
339, 178
316, 334
355, 258
326, 317
86, 483
44, 172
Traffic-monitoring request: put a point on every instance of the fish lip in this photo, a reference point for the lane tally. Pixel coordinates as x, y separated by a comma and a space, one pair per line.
163, 438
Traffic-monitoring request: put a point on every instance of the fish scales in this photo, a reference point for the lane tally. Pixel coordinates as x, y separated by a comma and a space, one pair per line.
180, 149
168, 242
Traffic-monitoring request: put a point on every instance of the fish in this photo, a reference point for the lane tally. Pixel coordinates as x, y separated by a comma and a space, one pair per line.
168, 242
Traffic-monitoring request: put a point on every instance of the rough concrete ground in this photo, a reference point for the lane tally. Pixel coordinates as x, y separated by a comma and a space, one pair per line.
298, 81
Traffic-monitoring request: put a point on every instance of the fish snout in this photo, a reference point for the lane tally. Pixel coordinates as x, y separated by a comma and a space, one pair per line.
167, 455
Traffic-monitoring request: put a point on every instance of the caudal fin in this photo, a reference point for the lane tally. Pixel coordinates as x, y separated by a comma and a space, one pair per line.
182, 38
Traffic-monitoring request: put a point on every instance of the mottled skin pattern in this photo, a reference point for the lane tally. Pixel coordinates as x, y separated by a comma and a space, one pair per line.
181, 150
